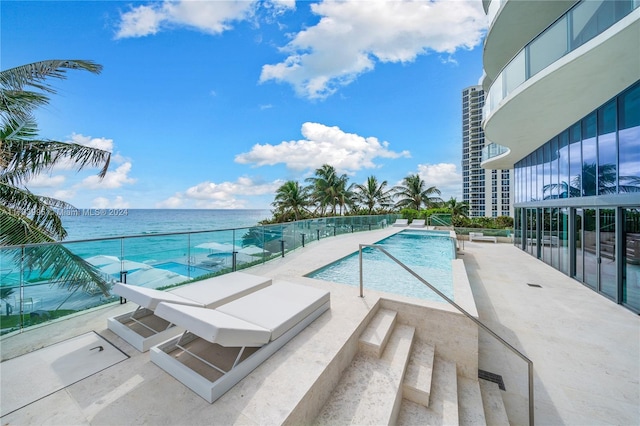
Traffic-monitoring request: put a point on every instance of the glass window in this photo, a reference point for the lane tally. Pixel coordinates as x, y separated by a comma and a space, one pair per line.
554, 244
607, 149
553, 167
563, 165
550, 46
563, 240
575, 161
608, 266
539, 174
579, 242
630, 270
589, 156
629, 140
590, 260
546, 172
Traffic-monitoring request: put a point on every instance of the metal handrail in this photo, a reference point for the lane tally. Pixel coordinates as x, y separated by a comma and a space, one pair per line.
464, 312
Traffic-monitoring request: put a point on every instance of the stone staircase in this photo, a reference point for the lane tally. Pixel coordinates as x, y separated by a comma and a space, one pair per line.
397, 379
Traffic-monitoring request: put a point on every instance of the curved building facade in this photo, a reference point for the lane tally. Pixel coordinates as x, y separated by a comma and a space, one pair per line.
563, 104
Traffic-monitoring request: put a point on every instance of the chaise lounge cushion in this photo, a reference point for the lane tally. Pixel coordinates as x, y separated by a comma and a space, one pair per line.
149, 297
214, 326
217, 291
278, 307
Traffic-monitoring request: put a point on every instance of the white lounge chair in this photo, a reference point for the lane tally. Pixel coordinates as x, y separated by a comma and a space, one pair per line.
225, 344
417, 223
479, 236
142, 328
401, 222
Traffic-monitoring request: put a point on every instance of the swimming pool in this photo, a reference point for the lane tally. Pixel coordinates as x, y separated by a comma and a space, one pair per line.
182, 269
428, 253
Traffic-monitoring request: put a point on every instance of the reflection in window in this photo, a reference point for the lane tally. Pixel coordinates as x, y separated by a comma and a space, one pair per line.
579, 243
589, 156
607, 252
629, 140
575, 158
607, 149
547, 190
553, 164
631, 262
590, 260
563, 159
563, 239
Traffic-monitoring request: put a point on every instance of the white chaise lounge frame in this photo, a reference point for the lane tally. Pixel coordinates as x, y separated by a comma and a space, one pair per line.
212, 390
209, 293
479, 236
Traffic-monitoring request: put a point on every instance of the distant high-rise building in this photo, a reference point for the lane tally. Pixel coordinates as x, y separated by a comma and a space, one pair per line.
486, 191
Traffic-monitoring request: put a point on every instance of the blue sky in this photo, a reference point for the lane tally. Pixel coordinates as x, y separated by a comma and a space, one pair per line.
214, 104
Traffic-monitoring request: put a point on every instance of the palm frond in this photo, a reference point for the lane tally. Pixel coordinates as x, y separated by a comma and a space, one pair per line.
36, 73
31, 157
27, 218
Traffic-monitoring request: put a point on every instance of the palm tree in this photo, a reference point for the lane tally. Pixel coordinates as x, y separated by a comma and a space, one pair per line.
330, 190
27, 218
291, 197
372, 194
458, 208
413, 193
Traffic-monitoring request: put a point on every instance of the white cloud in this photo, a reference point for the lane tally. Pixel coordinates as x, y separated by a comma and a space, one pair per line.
347, 152
46, 181
98, 143
171, 203
445, 177
212, 17
105, 203
113, 179
351, 36
224, 195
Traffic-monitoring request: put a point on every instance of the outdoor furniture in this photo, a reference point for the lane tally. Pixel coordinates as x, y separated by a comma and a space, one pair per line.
401, 222
479, 236
221, 346
142, 328
417, 223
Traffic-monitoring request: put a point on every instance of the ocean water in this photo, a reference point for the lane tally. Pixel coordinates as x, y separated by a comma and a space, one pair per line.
85, 224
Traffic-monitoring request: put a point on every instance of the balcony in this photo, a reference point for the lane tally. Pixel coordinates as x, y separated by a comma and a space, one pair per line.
525, 109
493, 150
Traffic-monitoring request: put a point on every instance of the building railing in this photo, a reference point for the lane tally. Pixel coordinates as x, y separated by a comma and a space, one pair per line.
462, 311
583, 22
493, 150
30, 296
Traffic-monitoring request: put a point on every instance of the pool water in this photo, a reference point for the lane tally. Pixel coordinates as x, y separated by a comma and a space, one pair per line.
182, 269
427, 253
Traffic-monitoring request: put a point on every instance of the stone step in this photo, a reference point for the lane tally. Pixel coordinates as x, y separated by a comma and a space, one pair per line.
375, 336
370, 390
443, 402
494, 410
417, 380
470, 408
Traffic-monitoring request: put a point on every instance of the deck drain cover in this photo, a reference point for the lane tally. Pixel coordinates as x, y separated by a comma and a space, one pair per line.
534, 285
492, 377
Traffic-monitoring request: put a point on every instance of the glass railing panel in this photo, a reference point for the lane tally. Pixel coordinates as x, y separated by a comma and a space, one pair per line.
31, 294
585, 21
548, 47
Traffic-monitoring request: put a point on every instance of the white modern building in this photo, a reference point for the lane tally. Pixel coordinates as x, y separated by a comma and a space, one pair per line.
563, 107
486, 191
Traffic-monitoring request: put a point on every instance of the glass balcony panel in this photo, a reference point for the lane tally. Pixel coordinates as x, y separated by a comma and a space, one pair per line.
548, 47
